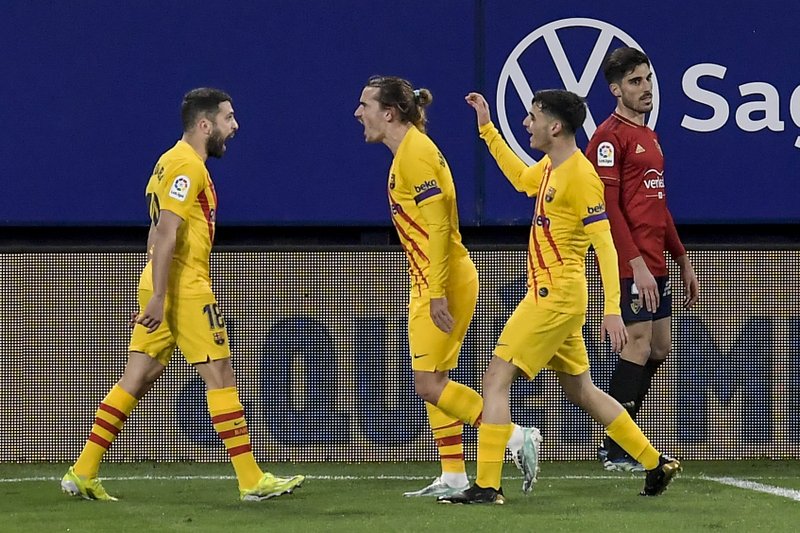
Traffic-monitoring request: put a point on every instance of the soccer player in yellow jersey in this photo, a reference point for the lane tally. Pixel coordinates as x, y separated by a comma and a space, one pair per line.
444, 282
545, 329
178, 307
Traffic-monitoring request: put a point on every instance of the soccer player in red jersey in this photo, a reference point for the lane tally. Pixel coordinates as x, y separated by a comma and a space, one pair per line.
629, 160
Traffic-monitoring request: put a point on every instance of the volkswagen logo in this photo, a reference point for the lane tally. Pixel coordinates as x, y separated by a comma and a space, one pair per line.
548, 39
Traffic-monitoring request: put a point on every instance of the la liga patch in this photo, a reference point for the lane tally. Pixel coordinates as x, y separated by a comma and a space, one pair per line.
605, 154
179, 188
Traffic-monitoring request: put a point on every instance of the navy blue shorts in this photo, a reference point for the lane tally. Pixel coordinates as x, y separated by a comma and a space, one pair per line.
634, 311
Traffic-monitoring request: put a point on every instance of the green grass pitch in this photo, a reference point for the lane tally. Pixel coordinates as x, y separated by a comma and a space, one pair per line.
575, 496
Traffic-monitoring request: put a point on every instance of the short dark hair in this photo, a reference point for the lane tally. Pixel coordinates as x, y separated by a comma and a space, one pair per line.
563, 105
400, 94
621, 62
201, 101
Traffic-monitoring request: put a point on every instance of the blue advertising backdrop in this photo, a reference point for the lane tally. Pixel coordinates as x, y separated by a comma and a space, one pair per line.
91, 93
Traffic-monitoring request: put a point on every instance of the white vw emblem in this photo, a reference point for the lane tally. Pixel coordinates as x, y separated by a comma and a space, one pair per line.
581, 86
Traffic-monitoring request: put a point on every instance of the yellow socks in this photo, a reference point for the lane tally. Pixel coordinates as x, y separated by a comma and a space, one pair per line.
624, 431
492, 440
461, 402
111, 414
227, 415
458, 405
447, 434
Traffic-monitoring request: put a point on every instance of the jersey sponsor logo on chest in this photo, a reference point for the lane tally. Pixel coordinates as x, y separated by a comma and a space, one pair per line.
542, 221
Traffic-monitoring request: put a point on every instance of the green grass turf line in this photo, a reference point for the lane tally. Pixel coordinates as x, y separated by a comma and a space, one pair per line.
562, 501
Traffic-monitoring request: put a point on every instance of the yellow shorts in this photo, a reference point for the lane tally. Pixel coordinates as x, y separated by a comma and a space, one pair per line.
535, 337
432, 349
192, 322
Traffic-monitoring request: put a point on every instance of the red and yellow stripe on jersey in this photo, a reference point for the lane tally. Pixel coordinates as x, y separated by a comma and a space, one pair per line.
180, 183
419, 178
569, 214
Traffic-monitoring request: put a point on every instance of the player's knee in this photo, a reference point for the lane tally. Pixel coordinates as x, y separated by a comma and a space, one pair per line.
576, 396
138, 383
429, 385
659, 353
581, 394
423, 390
637, 351
496, 381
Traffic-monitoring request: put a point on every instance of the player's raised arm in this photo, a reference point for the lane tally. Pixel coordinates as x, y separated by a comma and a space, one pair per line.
477, 102
524, 179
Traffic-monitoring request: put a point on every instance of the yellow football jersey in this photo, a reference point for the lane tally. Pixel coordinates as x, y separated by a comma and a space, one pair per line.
180, 183
569, 208
420, 175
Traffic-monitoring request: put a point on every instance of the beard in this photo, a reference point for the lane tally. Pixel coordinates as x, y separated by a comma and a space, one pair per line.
637, 105
215, 145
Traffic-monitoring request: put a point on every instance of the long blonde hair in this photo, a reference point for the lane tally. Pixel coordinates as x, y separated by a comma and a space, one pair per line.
400, 94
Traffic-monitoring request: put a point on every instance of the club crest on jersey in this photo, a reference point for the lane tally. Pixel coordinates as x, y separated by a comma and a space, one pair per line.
549, 194
180, 187
391, 180
219, 339
605, 154
636, 306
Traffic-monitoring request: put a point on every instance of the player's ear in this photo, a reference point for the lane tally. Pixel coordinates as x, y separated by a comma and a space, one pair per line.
615, 89
204, 125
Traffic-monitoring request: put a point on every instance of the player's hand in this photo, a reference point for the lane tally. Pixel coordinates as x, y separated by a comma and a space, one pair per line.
691, 287
647, 285
153, 314
441, 315
133, 319
614, 327
478, 103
